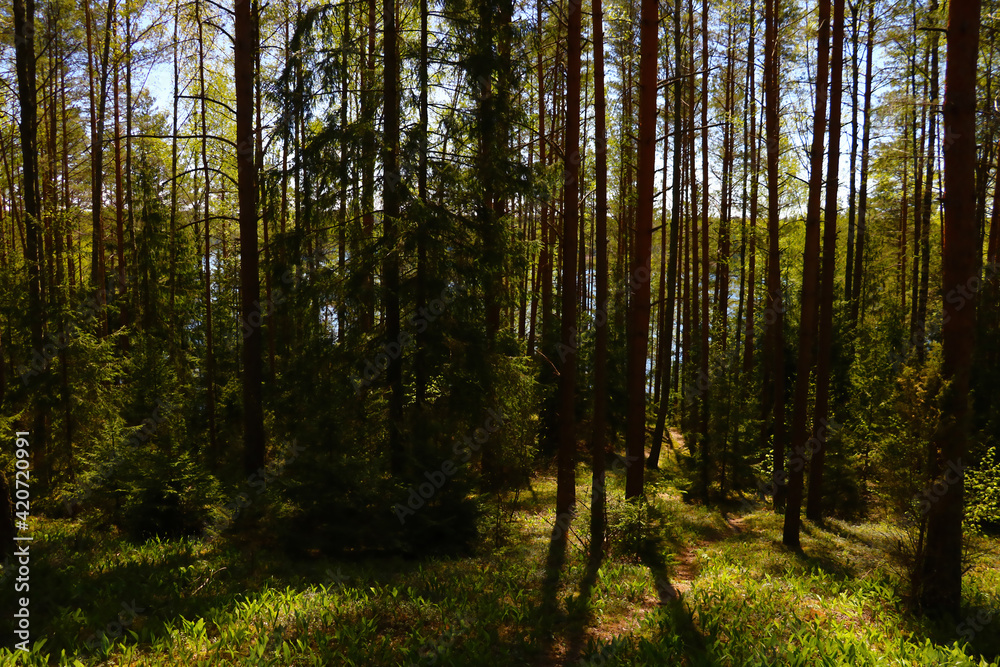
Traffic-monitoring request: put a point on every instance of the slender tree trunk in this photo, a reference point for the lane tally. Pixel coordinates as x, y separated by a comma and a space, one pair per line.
748, 341
704, 455
916, 324
993, 249
852, 192
213, 441
24, 56
904, 201
810, 285
172, 276
129, 303
119, 283
99, 105
421, 353
253, 409
725, 197
368, 171
544, 256
345, 150
566, 492
824, 350
928, 190
671, 279
695, 215
987, 144
391, 198
859, 249
598, 516
941, 591
775, 303
639, 278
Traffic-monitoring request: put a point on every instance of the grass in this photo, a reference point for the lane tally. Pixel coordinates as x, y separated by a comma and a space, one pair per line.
746, 599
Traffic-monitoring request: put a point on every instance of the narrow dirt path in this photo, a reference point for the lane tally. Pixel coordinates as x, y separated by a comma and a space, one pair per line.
686, 571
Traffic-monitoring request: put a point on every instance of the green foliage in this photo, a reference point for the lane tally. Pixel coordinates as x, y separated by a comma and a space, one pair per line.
982, 486
235, 601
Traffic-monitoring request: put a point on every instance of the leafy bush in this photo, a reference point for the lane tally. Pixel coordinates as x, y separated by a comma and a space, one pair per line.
982, 485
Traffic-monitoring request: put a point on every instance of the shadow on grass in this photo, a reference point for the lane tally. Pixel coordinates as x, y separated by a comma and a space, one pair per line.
676, 622
579, 612
548, 610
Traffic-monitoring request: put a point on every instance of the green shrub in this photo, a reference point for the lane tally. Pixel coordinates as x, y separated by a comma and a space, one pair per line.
982, 485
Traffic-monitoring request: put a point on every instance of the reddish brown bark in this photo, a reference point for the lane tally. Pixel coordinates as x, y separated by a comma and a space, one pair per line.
825, 346
941, 590
639, 277
566, 491
253, 411
598, 518
774, 315
810, 285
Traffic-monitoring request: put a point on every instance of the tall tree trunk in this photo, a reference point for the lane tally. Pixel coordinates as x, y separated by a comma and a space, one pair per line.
119, 281
368, 102
421, 353
24, 55
817, 443
172, 275
129, 304
668, 304
775, 304
391, 197
696, 220
993, 249
544, 256
598, 515
703, 451
810, 284
566, 491
852, 192
639, 278
253, 409
748, 341
213, 441
942, 567
916, 324
99, 102
862, 232
345, 150
925, 238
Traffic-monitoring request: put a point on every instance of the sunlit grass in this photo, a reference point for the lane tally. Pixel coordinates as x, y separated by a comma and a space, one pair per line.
747, 600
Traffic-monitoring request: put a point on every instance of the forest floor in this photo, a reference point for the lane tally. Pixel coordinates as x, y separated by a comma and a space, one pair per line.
743, 600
